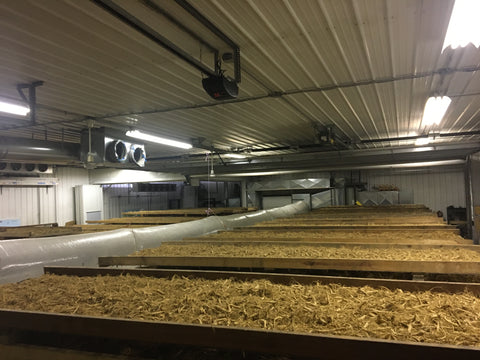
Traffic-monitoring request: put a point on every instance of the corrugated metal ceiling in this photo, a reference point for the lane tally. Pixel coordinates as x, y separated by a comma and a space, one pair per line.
366, 67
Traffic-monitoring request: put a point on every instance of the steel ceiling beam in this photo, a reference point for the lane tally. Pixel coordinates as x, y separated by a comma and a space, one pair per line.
138, 25
345, 85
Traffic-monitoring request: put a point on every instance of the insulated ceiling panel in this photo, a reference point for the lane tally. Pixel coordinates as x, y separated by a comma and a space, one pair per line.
364, 66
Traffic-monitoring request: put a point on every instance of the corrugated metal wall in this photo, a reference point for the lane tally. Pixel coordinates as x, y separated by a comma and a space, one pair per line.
39, 204
436, 190
21, 203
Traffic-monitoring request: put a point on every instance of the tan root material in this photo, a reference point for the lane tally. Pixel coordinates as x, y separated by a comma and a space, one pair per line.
347, 234
325, 309
302, 251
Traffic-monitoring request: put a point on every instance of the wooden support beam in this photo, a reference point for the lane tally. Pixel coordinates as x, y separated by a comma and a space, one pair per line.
396, 266
231, 338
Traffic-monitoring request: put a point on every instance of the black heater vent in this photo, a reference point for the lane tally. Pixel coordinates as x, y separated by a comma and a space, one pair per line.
220, 88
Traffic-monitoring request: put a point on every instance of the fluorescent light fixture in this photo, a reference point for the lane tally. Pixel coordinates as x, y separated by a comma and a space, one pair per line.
464, 27
424, 148
422, 141
235, 156
156, 139
435, 109
14, 109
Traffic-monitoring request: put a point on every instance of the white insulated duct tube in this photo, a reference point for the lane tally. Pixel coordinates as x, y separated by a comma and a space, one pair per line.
25, 258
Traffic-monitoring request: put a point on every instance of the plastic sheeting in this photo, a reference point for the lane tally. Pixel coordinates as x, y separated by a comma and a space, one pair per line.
25, 258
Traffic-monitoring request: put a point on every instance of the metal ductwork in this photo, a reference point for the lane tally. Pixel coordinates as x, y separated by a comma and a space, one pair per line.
38, 151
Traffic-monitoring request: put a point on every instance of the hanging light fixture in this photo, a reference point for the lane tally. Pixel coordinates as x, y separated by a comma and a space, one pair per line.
464, 27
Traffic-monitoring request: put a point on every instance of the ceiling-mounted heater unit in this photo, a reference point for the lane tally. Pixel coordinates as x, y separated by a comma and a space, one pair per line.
99, 147
220, 88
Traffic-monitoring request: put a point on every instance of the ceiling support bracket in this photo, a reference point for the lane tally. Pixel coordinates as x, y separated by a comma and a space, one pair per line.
32, 98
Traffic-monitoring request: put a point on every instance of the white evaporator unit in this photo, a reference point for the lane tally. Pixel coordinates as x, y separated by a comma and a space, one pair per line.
88, 203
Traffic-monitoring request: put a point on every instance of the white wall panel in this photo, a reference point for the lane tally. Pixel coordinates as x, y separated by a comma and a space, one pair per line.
65, 196
40, 204
20, 203
436, 190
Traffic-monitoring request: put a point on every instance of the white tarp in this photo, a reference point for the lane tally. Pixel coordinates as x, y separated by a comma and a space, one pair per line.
24, 258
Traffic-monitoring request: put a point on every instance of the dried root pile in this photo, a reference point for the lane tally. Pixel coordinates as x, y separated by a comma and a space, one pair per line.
325, 309
320, 252
347, 234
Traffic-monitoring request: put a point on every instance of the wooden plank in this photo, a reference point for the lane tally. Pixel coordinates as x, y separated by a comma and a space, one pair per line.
198, 212
34, 232
46, 225
301, 227
231, 338
366, 229
286, 279
29, 352
324, 239
165, 220
417, 245
102, 227
373, 220
397, 266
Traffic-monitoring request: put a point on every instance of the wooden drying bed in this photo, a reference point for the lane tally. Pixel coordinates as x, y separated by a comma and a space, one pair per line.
191, 212
367, 228
35, 231
336, 244
326, 239
316, 251
260, 263
414, 220
164, 220
108, 227
282, 343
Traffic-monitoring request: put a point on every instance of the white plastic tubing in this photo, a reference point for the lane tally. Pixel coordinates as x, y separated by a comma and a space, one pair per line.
25, 258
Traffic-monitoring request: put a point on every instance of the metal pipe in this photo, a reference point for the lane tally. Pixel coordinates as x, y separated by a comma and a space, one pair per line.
38, 150
154, 7
150, 33
400, 138
215, 30
261, 97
